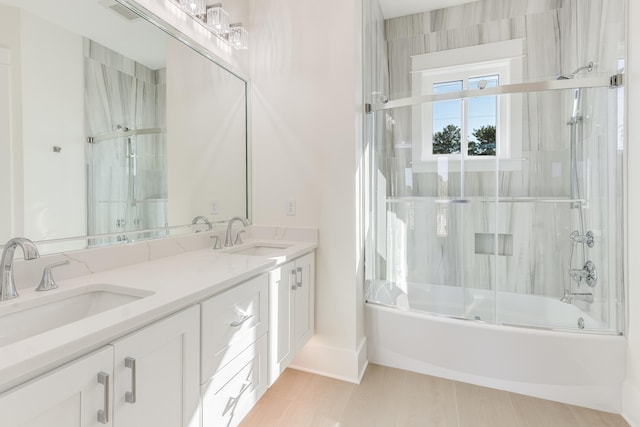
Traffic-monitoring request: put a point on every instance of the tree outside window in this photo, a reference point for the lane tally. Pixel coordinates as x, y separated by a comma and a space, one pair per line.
466, 125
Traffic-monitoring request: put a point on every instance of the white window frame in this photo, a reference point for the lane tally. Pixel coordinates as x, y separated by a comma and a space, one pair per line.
504, 59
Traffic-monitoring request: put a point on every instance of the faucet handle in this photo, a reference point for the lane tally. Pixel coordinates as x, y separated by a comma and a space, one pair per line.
216, 242
238, 240
47, 282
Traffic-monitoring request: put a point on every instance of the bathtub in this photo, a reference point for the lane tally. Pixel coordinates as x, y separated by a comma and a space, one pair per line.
584, 369
501, 307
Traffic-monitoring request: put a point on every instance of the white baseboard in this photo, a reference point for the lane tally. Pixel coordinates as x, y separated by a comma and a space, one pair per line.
630, 406
333, 362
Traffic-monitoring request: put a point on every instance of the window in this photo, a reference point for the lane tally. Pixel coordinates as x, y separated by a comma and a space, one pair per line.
474, 129
465, 126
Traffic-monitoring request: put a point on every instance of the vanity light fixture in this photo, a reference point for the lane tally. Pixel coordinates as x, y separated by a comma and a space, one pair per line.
193, 7
238, 36
215, 19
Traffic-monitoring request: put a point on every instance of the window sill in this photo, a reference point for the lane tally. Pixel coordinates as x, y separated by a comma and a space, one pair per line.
444, 164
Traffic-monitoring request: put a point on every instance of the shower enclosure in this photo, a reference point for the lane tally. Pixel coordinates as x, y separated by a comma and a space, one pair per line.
127, 154
496, 146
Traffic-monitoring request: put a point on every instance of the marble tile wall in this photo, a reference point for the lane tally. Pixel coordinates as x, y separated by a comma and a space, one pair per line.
560, 36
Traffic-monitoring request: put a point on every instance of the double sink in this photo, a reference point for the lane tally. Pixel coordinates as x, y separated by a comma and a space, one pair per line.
23, 318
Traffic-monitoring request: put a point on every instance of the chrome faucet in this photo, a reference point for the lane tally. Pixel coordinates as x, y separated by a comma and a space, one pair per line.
204, 219
7, 285
228, 240
579, 296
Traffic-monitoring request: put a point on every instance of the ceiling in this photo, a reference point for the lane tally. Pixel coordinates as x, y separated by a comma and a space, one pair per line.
94, 19
395, 8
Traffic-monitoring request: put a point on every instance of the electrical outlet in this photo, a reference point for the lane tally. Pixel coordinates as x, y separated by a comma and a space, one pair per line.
215, 207
290, 208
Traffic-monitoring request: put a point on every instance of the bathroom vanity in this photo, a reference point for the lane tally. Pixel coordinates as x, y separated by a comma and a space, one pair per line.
194, 338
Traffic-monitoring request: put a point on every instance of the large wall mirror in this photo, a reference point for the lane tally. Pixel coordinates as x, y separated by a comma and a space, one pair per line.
109, 126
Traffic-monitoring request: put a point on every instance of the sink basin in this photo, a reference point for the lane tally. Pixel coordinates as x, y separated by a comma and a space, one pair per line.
21, 319
260, 249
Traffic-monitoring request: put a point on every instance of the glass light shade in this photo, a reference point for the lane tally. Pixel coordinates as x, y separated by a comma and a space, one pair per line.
194, 7
217, 19
238, 37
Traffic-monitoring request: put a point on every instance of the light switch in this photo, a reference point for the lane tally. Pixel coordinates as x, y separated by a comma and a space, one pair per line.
215, 207
290, 208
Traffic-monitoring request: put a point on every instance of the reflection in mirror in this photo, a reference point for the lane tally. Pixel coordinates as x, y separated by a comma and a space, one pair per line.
108, 126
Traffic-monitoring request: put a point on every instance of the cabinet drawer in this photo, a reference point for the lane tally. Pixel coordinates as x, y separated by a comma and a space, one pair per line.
231, 321
236, 388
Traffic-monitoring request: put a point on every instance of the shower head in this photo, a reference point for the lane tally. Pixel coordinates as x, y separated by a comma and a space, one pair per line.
588, 67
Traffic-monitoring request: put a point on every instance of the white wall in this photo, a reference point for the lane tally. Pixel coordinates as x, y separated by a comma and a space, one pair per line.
6, 184
47, 189
11, 148
206, 137
631, 404
305, 71
52, 115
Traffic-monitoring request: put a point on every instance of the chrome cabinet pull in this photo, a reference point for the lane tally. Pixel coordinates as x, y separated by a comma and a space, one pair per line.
237, 323
293, 285
130, 396
103, 414
299, 278
245, 387
233, 401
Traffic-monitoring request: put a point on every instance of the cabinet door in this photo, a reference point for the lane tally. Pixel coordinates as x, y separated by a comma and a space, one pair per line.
157, 374
281, 293
77, 394
303, 306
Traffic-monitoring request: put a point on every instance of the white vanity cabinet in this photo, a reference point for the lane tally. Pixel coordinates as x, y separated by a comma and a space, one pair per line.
76, 394
204, 366
291, 308
234, 352
148, 378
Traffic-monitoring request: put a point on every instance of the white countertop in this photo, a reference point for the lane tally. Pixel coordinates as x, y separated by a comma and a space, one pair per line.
176, 282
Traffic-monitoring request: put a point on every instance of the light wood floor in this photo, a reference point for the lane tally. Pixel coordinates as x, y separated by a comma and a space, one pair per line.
390, 397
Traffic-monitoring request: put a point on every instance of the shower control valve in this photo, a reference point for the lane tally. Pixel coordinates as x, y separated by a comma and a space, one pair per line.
588, 273
587, 239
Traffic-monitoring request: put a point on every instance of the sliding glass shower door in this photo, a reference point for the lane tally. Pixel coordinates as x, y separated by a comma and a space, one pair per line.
127, 183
